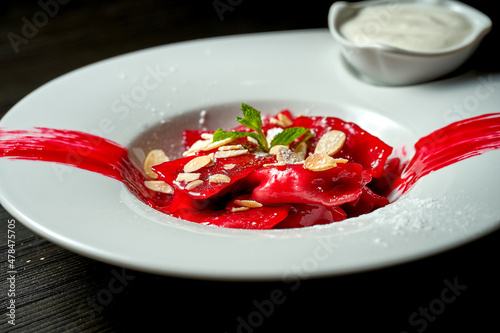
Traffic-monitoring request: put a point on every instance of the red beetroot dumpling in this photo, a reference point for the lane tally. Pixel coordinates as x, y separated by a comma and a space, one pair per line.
302, 215
255, 218
231, 170
360, 146
367, 202
295, 184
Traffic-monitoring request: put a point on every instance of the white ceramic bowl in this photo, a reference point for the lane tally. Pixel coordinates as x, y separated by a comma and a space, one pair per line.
394, 66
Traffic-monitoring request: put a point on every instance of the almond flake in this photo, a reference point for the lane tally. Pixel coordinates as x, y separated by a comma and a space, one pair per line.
301, 150
198, 145
274, 121
282, 121
159, 186
212, 157
232, 147
187, 177
229, 166
331, 143
207, 136
285, 120
219, 178
154, 157
274, 149
239, 209
319, 162
193, 184
218, 144
230, 153
248, 203
287, 156
252, 140
197, 163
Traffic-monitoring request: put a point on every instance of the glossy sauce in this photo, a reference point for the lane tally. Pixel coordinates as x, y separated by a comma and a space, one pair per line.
451, 144
80, 150
412, 27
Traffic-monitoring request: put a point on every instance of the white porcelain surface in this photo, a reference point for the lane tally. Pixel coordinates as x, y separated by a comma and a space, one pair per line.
97, 217
383, 64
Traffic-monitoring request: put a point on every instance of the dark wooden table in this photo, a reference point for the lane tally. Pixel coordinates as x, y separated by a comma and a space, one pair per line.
59, 291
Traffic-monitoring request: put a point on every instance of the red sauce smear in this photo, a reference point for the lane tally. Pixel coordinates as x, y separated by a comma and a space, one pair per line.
450, 144
81, 150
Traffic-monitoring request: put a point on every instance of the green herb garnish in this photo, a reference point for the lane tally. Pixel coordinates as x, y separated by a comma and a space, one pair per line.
252, 120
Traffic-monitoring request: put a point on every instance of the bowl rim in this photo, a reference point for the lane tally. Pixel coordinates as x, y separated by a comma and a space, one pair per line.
478, 33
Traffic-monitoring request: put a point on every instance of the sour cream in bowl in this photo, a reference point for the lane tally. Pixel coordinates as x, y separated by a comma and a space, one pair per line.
408, 41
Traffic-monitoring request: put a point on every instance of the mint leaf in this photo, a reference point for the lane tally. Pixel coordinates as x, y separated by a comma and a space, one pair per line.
251, 118
306, 137
221, 135
288, 136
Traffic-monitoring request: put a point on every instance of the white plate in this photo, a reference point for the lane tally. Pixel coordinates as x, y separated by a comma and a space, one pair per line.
159, 91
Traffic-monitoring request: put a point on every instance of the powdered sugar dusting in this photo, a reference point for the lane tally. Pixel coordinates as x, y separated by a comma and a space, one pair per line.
427, 216
413, 215
272, 132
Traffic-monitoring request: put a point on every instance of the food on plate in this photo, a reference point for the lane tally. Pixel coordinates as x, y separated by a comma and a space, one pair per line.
277, 171
269, 172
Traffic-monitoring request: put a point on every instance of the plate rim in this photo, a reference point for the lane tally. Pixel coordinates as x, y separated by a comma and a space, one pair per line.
32, 225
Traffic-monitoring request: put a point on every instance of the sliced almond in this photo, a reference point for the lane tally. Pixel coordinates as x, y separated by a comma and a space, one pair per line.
287, 156
248, 203
252, 140
219, 178
207, 136
230, 153
239, 209
197, 163
274, 121
154, 157
281, 120
193, 184
274, 149
198, 145
319, 162
159, 186
331, 143
285, 120
301, 150
229, 166
212, 159
218, 144
231, 147
187, 177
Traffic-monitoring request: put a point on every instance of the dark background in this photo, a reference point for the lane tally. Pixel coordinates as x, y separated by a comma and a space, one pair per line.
59, 291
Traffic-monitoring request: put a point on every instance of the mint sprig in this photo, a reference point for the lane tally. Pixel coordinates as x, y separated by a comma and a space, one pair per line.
221, 135
288, 136
252, 119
